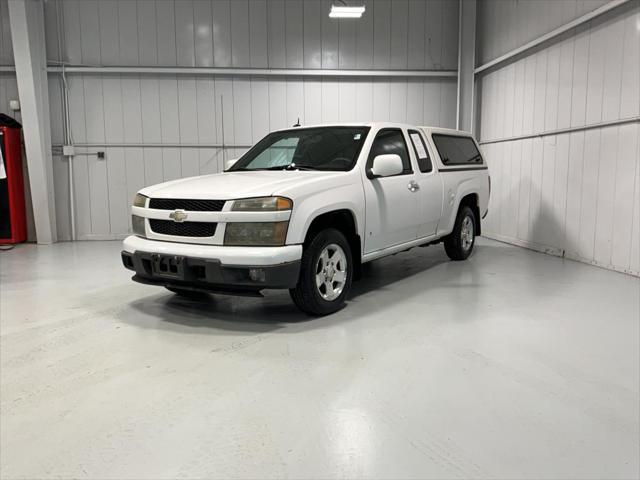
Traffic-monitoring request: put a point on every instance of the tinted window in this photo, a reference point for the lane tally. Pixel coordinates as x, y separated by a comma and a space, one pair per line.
455, 150
422, 154
320, 148
390, 141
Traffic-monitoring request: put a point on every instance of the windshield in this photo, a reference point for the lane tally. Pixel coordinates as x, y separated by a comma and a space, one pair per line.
319, 148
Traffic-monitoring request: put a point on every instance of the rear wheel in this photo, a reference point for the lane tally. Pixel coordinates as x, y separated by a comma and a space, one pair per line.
326, 273
459, 243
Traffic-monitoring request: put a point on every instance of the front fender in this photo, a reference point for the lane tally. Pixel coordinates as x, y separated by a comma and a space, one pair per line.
307, 209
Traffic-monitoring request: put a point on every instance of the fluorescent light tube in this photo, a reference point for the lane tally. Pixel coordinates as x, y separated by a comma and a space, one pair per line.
346, 12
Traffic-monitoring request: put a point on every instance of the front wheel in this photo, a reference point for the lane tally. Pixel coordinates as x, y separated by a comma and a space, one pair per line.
459, 243
326, 273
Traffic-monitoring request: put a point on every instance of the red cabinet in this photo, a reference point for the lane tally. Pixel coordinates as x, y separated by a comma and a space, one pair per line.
13, 219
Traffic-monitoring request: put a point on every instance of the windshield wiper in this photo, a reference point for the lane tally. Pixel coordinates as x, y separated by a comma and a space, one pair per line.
243, 169
291, 166
296, 166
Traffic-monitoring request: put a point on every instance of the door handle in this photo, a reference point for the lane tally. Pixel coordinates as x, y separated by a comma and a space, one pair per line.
413, 186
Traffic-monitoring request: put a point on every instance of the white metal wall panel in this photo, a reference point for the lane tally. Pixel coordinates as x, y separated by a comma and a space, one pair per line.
250, 33
6, 49
147, 33
8, 92
399, 34
573, 194
504, 25
133, 109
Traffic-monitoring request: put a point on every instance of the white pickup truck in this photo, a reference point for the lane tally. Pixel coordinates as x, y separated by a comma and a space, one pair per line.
305, 207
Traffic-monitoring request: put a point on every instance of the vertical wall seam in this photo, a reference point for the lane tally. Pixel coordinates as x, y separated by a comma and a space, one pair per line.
84, 118
162, 150
179, 126
155, 11
268, 20
615, 187
117, 28
584, 135
574, 32
595, 220
137, 38
636, 186
144, 166
230, 35
175, 33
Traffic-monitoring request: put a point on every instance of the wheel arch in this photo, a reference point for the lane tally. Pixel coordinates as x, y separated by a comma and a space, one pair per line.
345, 221
472, 200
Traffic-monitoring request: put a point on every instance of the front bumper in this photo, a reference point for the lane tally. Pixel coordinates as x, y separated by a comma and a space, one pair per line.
211, 268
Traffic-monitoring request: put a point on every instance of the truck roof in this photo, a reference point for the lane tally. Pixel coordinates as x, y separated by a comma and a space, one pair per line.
427, 129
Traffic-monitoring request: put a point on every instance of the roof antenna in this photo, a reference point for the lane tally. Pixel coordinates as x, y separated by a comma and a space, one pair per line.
297, 123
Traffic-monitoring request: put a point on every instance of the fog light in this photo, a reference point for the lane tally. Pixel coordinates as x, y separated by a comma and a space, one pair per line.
137, 225
257, 274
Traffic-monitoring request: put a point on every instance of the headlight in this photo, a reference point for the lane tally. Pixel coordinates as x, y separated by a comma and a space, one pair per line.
140, 200
137, 225
263, 234
262, 204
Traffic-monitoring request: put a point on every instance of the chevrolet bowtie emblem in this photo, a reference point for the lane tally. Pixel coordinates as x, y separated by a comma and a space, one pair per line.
178, 216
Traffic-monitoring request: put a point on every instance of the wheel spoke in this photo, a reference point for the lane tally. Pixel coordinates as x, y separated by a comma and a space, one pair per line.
324, 257
319, 279
466, 233
339, 277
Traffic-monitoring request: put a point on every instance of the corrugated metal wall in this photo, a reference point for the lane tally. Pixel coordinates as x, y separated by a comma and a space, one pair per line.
578, 193
393, 34
504, 25
9, 91
8, 85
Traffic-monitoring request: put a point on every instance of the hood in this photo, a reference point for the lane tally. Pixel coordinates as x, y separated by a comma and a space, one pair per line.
231, 185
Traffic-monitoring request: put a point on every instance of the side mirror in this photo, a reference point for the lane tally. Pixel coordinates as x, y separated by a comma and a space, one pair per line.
387, 165
230, 163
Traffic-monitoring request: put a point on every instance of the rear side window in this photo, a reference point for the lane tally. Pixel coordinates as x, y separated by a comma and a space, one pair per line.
456, 150
424, 162
390, 141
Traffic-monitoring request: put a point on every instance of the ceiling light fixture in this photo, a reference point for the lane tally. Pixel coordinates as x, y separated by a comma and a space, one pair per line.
344, 11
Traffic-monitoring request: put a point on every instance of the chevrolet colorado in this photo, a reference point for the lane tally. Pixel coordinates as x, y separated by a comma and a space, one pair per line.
305, 207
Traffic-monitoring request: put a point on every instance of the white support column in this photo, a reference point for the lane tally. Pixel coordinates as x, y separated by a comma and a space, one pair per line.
466, 64
26, 19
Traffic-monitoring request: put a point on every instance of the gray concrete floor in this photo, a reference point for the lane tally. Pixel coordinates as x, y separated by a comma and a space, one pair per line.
510, 365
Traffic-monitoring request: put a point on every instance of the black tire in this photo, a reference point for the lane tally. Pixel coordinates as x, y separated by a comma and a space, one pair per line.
306, 295
194, 294
455, 243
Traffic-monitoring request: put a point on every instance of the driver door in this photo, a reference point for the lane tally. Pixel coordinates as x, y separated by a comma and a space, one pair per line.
391, 202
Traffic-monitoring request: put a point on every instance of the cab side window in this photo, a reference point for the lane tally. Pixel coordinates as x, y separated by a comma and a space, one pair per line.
422, 154
390, 141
